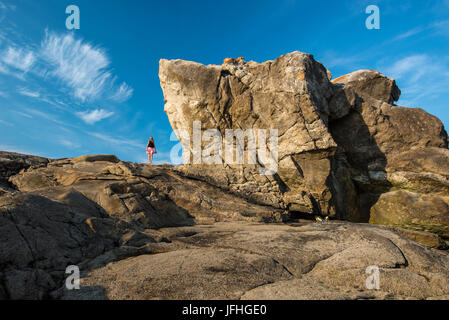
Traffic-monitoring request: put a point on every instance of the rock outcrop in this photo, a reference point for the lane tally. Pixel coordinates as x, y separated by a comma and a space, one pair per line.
343, 144
65, 212
398, 157
289, 94
144, 196
12, 163
148, 232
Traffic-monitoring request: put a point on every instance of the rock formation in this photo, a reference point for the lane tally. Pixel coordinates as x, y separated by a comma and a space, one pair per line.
56, 213
398, 156
289, 94
148, 232
226, 231
345, 150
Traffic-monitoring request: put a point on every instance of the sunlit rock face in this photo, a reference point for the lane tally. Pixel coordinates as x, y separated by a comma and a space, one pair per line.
290, 94
342, 143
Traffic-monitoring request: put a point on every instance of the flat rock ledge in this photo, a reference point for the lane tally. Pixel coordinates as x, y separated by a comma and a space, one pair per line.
258, 261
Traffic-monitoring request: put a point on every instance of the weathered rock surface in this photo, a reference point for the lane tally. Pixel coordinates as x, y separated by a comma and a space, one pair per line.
343, 144
370, 84
145, 196
398, 157
71, 211
11, 163
289, 94
149, 232
255, 261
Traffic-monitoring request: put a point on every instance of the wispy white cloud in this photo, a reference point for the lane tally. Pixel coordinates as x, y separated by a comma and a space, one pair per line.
123, 93
436, 28
7, 6
334, 60
409, 33
442, 27
23, 114
16, 62
415, 67
94, 116
54, 102
6, 123
82, 67
117, 141
18, 58
3, 10
3, 69
28, 93
33, 112
420, 77
69, 144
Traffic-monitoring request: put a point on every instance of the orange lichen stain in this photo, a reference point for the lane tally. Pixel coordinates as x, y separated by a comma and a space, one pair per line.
339, 78
89, 223
228, 60
301, 75
232, 60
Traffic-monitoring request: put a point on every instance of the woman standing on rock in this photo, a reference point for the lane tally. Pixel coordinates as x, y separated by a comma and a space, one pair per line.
151, 149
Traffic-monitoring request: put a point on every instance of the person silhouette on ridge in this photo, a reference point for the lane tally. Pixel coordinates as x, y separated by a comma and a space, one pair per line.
151, 149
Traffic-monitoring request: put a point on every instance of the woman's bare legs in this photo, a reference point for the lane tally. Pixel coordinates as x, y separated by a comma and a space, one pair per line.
150, 158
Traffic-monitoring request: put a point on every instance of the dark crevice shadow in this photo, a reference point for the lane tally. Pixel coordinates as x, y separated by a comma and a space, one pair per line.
5, 184
298, 167
298, 215
282, 186
359, 154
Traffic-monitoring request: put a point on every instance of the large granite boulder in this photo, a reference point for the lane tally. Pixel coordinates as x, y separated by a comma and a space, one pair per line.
370, 83
290, 94
343, 144
398, 156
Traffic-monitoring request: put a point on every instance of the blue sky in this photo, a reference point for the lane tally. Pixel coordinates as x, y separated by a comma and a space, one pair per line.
96, 90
